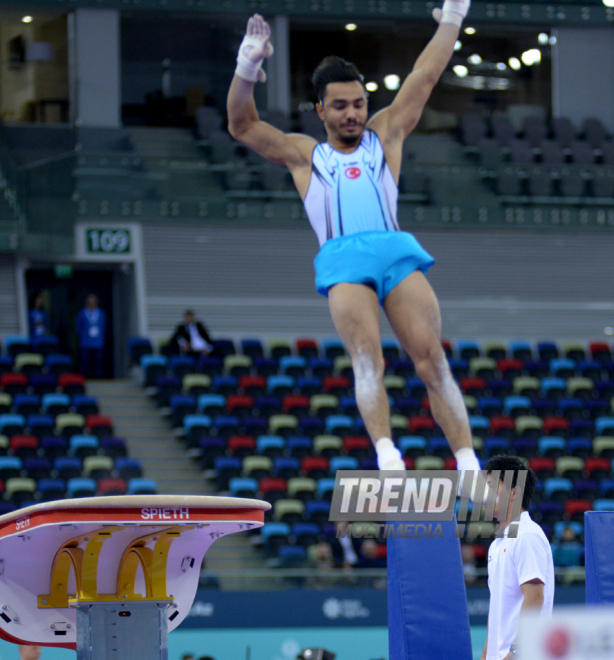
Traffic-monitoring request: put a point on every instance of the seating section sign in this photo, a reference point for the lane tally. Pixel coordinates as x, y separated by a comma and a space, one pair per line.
108, 241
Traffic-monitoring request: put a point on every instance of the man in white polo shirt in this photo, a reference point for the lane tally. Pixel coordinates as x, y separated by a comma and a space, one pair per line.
520, 570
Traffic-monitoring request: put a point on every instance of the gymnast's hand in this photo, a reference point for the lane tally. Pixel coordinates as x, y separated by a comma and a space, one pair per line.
453, 11
255, 47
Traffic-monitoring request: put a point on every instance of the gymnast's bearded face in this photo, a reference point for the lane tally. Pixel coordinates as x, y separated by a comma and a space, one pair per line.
344, 111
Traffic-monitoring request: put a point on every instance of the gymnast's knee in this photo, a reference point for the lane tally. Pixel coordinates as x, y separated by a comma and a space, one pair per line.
368, 364
432, 366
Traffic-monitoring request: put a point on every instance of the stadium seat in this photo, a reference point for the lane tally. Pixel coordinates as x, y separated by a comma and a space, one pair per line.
486, 406
289, 511
140, 486
128, 468
604, 426
69, 424
37, 468
557, 488
598, 468
328, 445
196, 427
196, 384
551, 446
299, 446
429, 463
98, 467
26, 404
279, 348
306, 533
211, 366
575, 509
580, 447
13, 383
301, 488
343, 463
81, 487
253, 348
558, 426
359, 447
137, 348
257, 467
325, 488
270, 445
112, 487
83, 445
6, 403
181, 405
113, 447
296, 404
268, 405
571, 408
237, 365
225, 426
24, 446
603, 505
12, 424
10, 467
273, 489
243, 487
543, 466
284, 425
317, 511
100, 426
600, 351
275, 535
286, 467
336, 385
570, 467
604, 446
315, 467
340, 425
71, 384
67, 467
59, 364
293, 366
19, 490
55, 404
181, 365
307, 348
40, 425
51, 489
280, 385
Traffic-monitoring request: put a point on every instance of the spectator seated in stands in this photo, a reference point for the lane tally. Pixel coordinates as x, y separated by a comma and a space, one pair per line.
191, 337
568, 551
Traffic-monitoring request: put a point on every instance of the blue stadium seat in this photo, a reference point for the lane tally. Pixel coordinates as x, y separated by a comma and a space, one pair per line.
459, 368
10, 467
211, 366
581, 447
606, 489
321, 367
15, 344
292, 556
496, 446
85, 404
141, 486
562, 368
571, 407
7, 363
341, 425
490, 406
603, 425
309, 385
412, 446
26, 404
59, 364
12, 424
416, 388
514, 406
37, 467
266, 367
41, 425
211, 404
181, 365
343, 463
299, 446
67, 467
153, 367
128, 468
280, 385
479, 425
51, 489
547, 350
306, 533
84, 445
138, 347
391, 350
557, 488
317, 511
196, 427
270, 445
272, 530
243, 487
333, 348
226, 425
324, 488
224, 385
252, 348
255, 425
227, 467
113, 447
590, 369
551, 446
467, 349
603, 505
55, 404
439, 447
181, 405
54, 446
286, 467
293, 366
80, 487
553, 388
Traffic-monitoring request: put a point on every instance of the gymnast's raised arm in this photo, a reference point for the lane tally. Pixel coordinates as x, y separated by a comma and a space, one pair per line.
395, 122
290, 149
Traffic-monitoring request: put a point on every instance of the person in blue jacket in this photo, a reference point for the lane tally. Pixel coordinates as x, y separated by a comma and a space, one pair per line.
38, 319
91, 329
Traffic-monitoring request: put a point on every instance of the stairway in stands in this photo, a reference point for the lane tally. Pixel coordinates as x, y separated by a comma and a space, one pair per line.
151, 441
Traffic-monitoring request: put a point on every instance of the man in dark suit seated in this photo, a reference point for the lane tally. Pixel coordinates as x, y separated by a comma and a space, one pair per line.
191, 337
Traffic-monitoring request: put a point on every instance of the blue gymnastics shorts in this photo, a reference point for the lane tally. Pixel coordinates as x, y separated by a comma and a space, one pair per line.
380, 259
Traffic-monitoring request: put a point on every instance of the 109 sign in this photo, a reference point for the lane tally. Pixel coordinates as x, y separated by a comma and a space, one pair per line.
108, 241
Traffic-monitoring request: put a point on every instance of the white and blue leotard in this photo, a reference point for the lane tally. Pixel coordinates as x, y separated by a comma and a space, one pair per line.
351, 193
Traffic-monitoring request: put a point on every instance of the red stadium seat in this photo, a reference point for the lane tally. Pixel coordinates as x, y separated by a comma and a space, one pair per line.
240, 404
510, 368
450, 463
410, 464
503, 426
600, 351
598, 467
556, 426
315, 465
424, 426
24, 446
71, 383
295, 404
543, 466
241, 445
112, 487
575, 509
99, 425
337, 385
307, 348
272, 488
357, 446
13, 383
473, 386
252, 385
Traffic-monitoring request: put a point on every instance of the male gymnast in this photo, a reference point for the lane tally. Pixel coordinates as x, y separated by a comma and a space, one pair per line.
349, 186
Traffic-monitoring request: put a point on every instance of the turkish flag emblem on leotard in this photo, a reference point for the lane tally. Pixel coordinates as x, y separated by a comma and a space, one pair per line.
353, 172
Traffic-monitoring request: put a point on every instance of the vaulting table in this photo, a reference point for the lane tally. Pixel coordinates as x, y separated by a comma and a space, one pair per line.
110, 576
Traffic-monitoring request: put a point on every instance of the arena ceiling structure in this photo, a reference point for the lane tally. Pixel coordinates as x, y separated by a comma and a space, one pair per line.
566, 13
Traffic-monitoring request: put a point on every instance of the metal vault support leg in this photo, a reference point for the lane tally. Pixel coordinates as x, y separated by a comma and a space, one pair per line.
130, 630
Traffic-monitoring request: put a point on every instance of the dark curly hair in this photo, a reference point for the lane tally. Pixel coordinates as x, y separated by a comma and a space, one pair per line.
334, 69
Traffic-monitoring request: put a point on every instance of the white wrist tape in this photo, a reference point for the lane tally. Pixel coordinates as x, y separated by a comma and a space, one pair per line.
246, 68
455, 11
